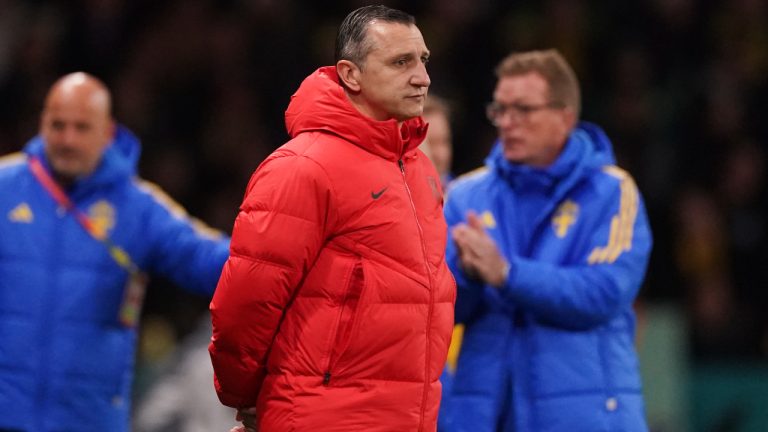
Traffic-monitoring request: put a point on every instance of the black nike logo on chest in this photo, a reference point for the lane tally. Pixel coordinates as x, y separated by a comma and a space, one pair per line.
376, 195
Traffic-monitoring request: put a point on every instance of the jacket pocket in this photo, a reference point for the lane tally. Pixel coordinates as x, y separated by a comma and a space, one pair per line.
347, 318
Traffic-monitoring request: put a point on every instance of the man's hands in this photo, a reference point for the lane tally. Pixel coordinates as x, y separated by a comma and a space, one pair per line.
248, 417
478, 254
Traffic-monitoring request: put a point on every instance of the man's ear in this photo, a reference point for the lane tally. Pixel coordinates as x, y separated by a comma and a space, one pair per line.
110, 132
569, 118
349, 74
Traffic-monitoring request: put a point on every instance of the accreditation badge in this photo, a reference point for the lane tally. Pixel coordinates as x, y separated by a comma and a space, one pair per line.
133, 299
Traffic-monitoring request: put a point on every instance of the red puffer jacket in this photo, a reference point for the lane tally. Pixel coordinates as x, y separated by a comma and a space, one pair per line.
335, 309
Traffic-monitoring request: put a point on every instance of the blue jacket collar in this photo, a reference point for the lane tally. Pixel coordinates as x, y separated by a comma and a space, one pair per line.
587, 147
119, 162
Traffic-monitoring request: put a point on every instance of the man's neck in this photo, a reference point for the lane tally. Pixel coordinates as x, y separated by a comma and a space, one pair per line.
66, 182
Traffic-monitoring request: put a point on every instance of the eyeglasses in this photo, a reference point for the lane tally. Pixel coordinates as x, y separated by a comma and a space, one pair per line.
519, 111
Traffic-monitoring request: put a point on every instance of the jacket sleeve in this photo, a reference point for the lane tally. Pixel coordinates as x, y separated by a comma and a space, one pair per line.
276, 239
469, 292
606, 278
184, 249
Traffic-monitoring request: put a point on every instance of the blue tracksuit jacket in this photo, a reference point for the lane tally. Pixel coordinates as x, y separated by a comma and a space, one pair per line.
553, 349
66, 362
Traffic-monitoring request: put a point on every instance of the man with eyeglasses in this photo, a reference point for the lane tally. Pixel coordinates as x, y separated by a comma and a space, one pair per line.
550, 244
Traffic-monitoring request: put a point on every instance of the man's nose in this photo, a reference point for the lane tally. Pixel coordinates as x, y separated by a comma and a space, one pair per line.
69, 136
421, 77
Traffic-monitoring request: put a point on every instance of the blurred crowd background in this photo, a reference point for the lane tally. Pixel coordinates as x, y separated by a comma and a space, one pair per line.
680, 86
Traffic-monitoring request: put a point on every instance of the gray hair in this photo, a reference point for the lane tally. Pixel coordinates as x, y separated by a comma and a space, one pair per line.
552, 66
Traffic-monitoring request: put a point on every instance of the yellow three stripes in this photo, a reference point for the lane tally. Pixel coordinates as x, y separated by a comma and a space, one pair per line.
622, 224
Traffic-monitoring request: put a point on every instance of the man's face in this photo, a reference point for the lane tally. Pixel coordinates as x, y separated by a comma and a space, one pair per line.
76, 128
393, 80
532, 128
439, 141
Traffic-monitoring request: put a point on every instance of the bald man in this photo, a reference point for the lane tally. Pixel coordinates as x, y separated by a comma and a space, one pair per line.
78, 233
76, 126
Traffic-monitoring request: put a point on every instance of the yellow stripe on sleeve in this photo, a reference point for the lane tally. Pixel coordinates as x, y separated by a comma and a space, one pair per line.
12, 159
622, 224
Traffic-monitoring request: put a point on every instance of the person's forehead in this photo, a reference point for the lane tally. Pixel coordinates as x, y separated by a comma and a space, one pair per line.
528, 84
82, 104
74, 111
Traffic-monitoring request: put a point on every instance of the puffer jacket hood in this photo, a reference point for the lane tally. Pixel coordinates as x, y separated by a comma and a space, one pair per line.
320, 104
587, 148
119, 162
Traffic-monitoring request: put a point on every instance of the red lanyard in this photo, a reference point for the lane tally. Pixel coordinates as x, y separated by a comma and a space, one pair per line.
57, 193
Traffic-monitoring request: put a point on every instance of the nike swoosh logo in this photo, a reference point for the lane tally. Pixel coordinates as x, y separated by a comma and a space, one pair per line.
376, 195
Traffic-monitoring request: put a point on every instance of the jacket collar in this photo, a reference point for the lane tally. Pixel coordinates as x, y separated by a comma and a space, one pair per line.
320, 104
119, 162
587, 147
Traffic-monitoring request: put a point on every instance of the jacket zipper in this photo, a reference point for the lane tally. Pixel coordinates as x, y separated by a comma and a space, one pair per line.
427, 354
46, 332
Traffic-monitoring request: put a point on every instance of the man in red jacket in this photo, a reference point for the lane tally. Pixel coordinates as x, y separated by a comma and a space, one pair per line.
335, 309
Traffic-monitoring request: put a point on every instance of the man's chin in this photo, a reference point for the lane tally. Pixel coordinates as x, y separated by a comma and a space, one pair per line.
512, 154
66, 172
414, 109
404, 117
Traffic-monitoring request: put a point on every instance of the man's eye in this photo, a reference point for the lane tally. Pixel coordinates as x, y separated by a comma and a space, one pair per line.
525, 109
425, 60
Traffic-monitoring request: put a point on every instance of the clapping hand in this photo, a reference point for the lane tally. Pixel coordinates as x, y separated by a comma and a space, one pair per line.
478, 254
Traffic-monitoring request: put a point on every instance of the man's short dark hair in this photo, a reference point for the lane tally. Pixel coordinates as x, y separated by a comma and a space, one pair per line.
351, 41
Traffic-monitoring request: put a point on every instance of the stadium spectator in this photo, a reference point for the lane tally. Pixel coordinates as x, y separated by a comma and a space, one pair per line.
439, 141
